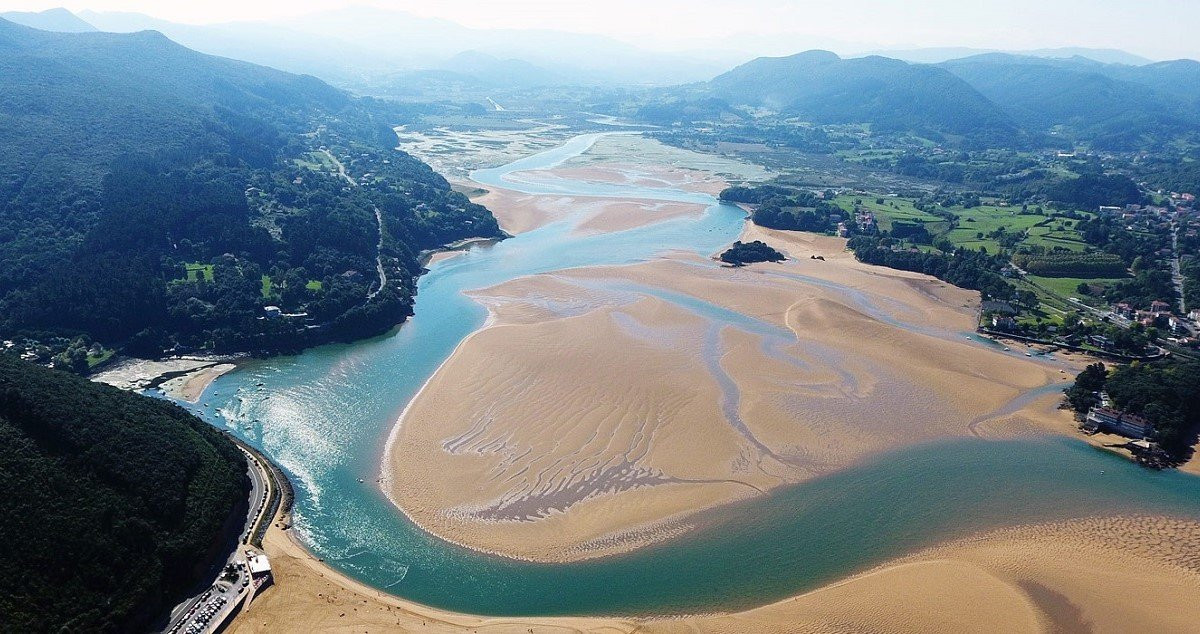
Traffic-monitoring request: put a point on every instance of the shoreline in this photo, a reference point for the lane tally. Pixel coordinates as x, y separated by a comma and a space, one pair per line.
430, 256
182, 378
307, 588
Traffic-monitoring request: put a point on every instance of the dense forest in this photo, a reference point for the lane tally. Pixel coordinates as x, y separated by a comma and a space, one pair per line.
1113, 106
159, 198
111, 501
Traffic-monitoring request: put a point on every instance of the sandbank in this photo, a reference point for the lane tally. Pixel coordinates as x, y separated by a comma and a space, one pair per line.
519, 213
592, 416
180, 378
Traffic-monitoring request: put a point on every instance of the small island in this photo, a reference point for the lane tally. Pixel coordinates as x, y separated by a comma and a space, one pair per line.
743, 253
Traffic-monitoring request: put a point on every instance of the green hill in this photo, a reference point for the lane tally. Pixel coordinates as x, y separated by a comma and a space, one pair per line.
112, 502
888, 94
1113, 106
128, 158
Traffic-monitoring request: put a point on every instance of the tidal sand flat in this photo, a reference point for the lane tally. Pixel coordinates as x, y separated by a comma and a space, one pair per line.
602, 406
520, 213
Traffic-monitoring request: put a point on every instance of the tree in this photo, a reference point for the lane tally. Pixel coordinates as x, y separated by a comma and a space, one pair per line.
1082, 395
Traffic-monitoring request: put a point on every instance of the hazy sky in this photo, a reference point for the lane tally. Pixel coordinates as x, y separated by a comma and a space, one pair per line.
1155, 28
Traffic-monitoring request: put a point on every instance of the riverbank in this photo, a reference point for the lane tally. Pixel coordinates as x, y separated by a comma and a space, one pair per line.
181, 378
1142, 573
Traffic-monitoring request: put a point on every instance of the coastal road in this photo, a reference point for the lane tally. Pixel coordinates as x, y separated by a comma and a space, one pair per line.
206, 610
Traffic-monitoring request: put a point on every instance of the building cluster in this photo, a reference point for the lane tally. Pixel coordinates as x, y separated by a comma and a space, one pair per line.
1115, 421
865, 220
1160, 315
1178, 209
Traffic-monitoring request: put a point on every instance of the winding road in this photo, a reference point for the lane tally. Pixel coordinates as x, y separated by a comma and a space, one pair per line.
378, 222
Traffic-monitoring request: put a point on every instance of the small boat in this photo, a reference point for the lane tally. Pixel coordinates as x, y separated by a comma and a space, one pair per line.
1006, 348
1028, 354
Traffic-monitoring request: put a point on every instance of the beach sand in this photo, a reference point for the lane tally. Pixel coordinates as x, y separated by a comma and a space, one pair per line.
519, 213
189, 377
1137, 574
591, 416
191, 386
595, 413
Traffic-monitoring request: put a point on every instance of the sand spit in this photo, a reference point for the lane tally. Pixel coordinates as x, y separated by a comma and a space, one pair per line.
1095, 575
183, 378
634, 175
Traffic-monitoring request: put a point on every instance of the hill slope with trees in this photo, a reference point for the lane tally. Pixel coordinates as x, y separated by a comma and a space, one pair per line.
132, 163
112, 502
1113, 106
888, 94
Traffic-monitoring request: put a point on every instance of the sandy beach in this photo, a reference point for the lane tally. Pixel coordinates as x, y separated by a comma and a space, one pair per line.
183, 378
519, 213
1142, 574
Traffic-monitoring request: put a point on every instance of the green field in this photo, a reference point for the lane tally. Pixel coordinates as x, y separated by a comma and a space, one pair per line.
268, 286
985, 220
94, 360
316, 161
1068, 286
196, 269
975, 224
890, 210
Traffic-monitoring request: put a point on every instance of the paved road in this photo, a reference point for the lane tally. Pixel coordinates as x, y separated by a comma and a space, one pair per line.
1176, 273
207, 609
378, 222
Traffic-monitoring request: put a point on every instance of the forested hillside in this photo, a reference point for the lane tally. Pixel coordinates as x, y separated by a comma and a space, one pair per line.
1113, 106
886, 93
111, 502
153, 195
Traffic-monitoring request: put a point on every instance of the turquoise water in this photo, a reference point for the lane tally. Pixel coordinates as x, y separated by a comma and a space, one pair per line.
324, 416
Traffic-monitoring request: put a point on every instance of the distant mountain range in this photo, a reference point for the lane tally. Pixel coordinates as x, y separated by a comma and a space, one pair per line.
990, 98
1106, 96
348, 44
820, 87
1115, 106
59, 20
945, 54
